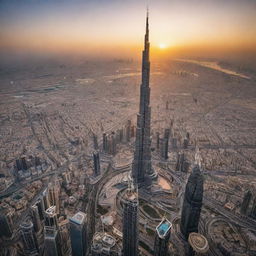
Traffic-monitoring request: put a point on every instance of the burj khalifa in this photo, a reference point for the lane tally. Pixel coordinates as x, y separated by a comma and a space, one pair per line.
142, 170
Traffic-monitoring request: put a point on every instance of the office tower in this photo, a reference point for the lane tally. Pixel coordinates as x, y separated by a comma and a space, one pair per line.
163, 231
95, 142
142, 170
29, 239
51, 219
112, 144
6, 224
78, 234
40, 207
192, 203
130, 221
52, 241
24, 163
167, 133
36, 218
18, 164
253, 211
105, 142
163, 146
180, 165
198, 244
128, 131
51, 235
246, 202
54, 194
96, 163
63, 228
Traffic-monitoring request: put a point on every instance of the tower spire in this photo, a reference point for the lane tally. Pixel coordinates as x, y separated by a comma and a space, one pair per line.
142, 168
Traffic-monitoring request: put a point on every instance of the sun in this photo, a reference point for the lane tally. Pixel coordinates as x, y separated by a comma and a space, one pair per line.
162, 45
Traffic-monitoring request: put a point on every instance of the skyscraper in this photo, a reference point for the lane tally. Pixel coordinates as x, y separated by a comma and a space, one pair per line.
246, 202
51, 241
6, 223
130, 222
78, 234
142, 169
40, 207
36, 218
163, 231
96, 163
51, 235
29, 238
54, 194
192, 203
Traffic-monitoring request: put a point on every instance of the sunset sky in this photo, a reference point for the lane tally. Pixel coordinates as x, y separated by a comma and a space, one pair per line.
116, 27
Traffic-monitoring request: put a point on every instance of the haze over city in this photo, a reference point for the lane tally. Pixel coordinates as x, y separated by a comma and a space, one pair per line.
114, 28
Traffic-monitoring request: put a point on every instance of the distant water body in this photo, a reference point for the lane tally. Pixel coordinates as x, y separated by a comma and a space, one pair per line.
214, 65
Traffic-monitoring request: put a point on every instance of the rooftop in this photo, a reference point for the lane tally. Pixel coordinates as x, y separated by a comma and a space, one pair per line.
103, 240
163, 228
198, 242
78, 218
51, 210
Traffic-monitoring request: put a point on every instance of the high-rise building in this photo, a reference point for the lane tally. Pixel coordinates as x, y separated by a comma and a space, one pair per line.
24, 163
130, 222
54, 194
51, 234
63, 228
246, 202
182, 164
78, 234
95, 142
52, 241
51, 219
36, 218
128, 131
167, 133
40, 208
6, 224
105, 142
96, 163
163, 231
29, 238
163, 146
142, 170
18, 164
192, 203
